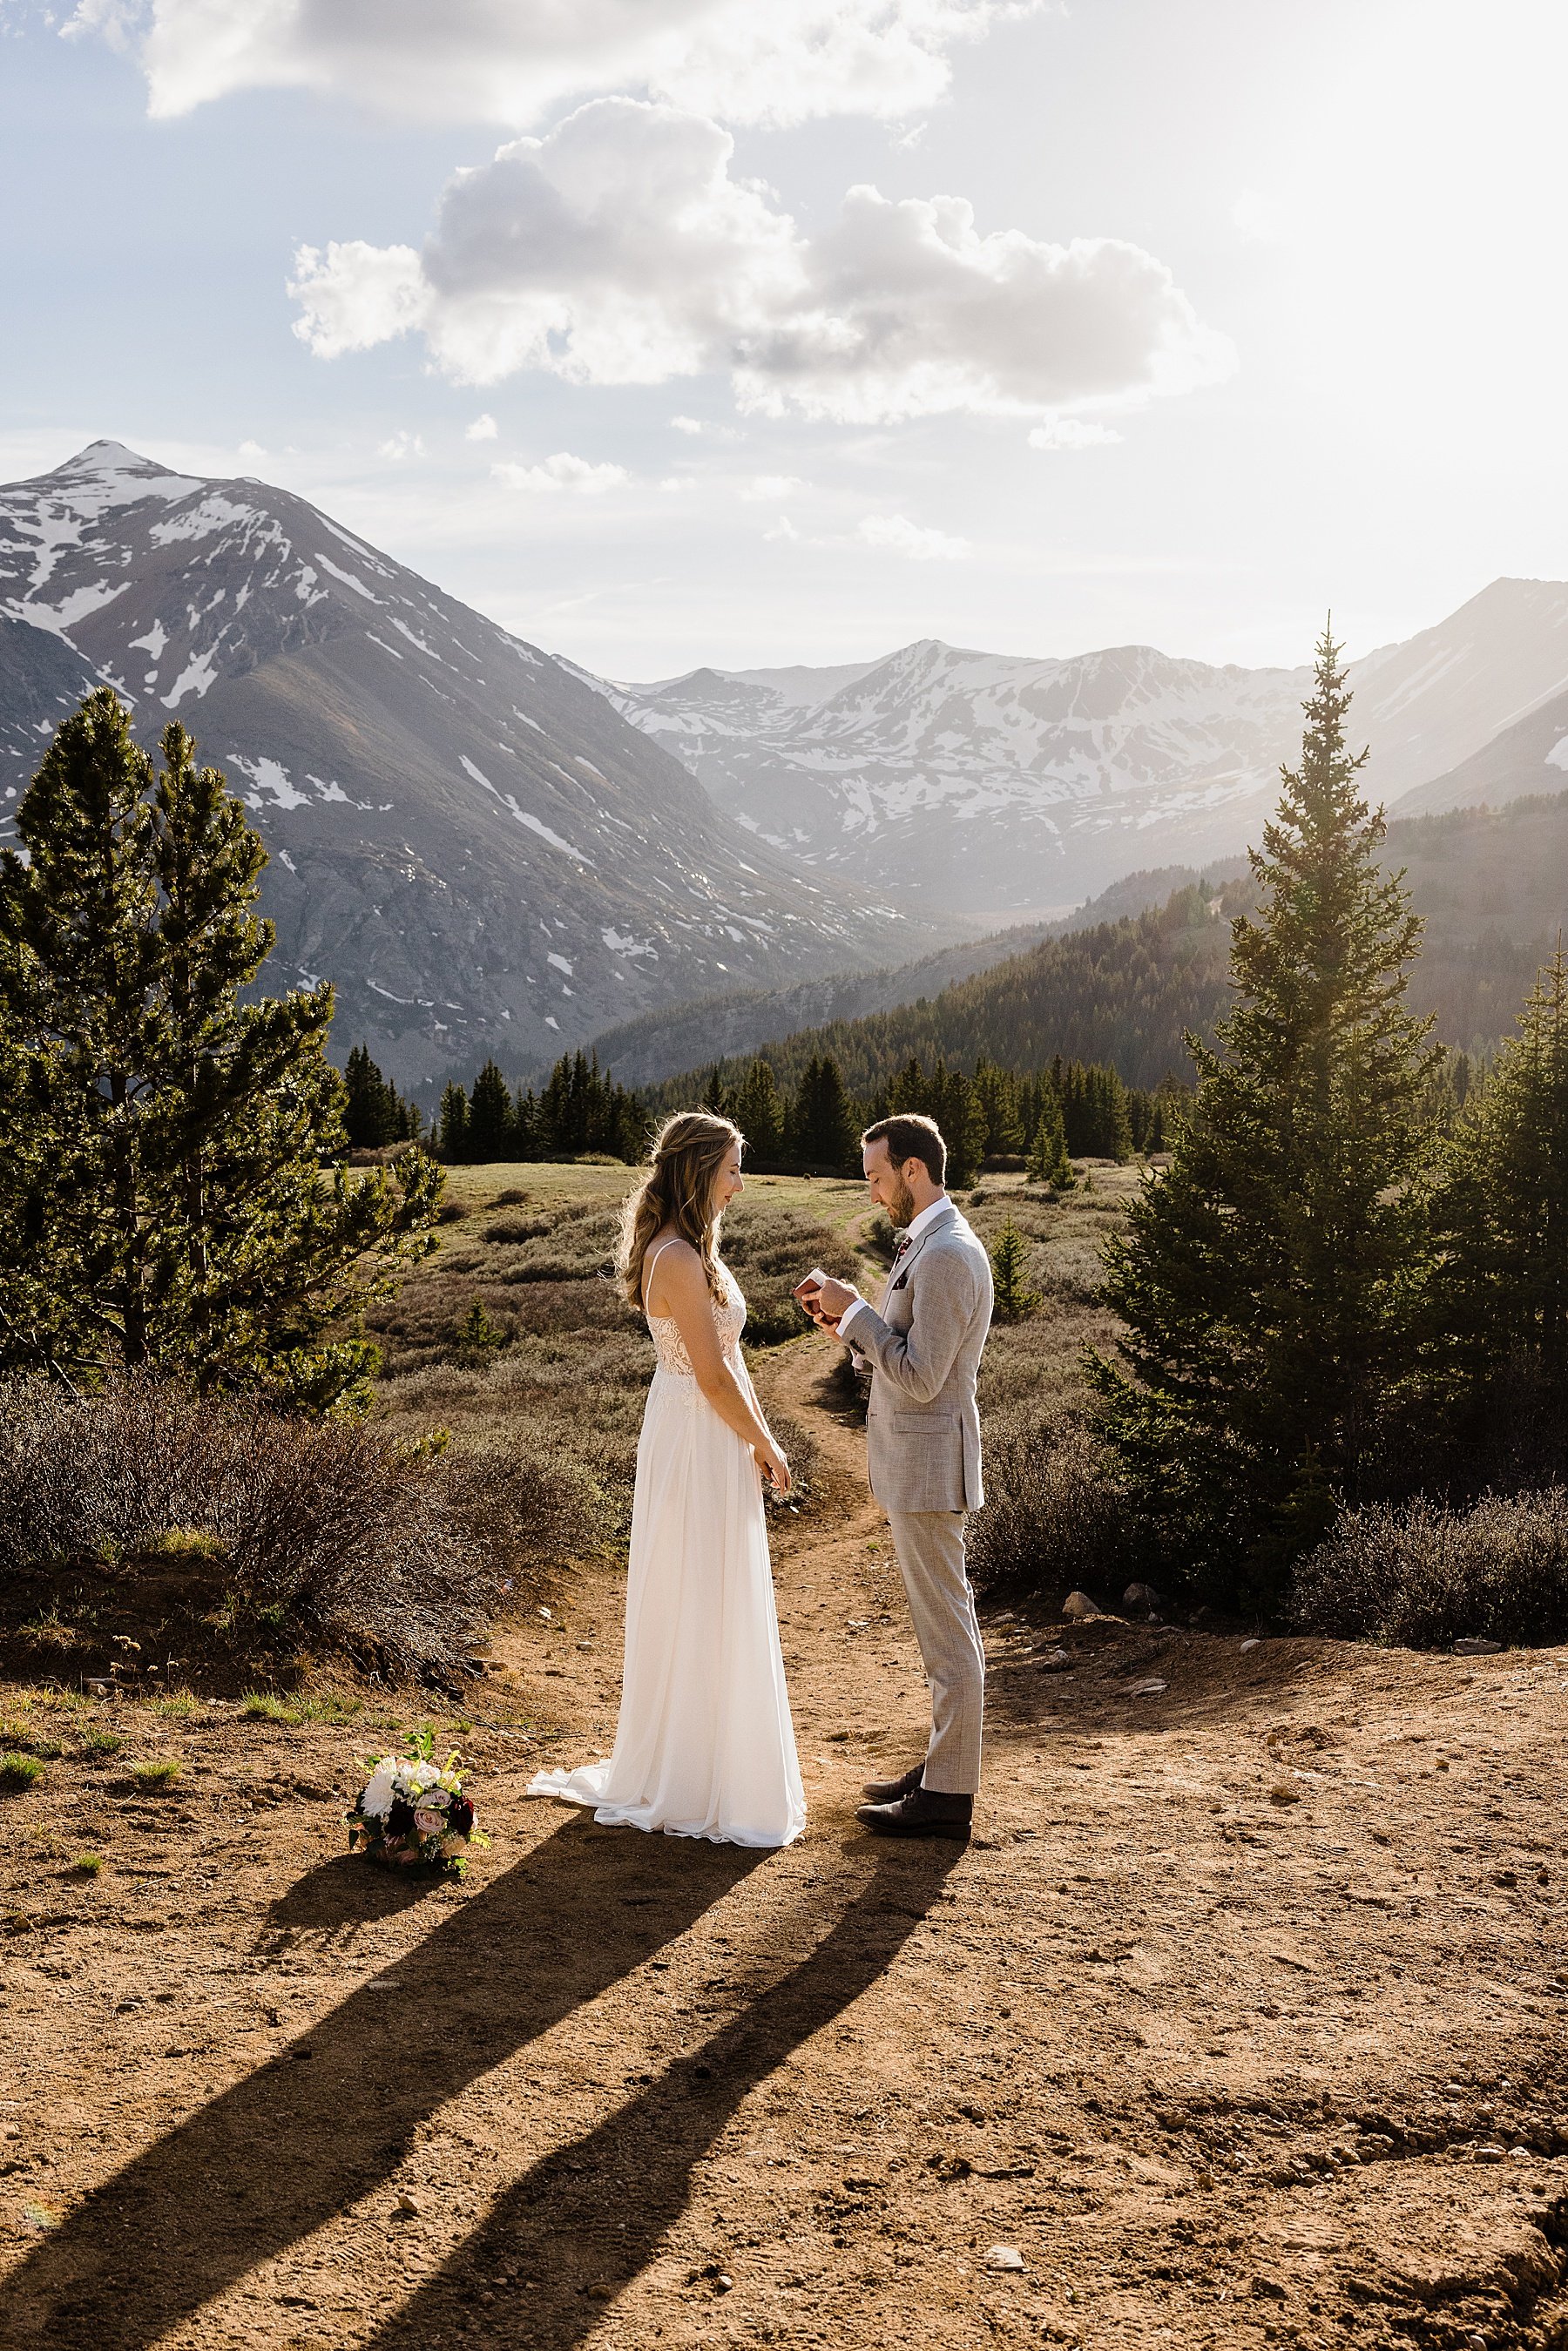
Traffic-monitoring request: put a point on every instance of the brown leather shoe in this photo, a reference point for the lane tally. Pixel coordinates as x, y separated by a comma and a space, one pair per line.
923, 1813
888, 1791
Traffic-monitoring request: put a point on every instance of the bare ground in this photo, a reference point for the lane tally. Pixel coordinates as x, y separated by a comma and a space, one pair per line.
1242, 2020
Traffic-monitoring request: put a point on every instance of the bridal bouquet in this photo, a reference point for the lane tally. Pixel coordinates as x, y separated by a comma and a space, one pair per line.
412, 1811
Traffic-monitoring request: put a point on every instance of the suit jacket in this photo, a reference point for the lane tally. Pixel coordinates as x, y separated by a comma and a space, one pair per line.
924, 1342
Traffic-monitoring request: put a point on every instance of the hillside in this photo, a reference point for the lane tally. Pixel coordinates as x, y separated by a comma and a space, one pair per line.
1491, 883
466, 838
661, 1043
986, 782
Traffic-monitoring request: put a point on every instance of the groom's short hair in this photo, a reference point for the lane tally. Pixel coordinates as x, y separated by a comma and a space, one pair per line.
911, 1136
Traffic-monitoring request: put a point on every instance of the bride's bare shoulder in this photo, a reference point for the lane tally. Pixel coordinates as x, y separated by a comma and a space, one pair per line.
673, 1265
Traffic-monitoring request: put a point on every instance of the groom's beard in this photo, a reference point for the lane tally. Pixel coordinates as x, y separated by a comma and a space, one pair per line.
900, 1207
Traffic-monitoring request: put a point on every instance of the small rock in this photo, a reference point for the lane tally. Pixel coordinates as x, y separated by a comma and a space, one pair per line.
405, 2203
1521, 2154
1078, 1607
1147, 1689
722, 2284
1140, 1596
1490, 2155
1252, 1644
1268, 2288
1471, 1646
1003, 2257
1053, 1661
1284, 1791
1505, 1877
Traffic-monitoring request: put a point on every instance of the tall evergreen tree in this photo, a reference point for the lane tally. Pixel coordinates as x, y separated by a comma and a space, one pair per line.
1049, 1162
164, 1140
371, 1111
759, 1115
1501, 1291
451, 1125
822, 1131
996, 1104
490, 1116
1270, 1285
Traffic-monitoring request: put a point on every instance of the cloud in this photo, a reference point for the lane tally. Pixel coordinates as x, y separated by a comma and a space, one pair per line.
1071, 433
763, 487
687, 424
621, 249
401, 445
888, 534
483, 428
896, 535
510, 60
563, 472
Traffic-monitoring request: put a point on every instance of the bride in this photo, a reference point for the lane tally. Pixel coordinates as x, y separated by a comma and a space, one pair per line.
705, 1746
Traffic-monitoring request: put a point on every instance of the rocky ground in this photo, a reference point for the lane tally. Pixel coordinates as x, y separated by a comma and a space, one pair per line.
1242, 2021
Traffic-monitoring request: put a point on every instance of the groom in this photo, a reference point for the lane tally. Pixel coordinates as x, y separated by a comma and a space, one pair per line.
923, 1438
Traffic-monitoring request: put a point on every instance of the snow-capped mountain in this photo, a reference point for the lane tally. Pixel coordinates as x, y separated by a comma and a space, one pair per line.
986, 783
466, 838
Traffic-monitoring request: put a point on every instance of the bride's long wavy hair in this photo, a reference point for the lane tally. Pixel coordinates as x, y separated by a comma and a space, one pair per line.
677, 1190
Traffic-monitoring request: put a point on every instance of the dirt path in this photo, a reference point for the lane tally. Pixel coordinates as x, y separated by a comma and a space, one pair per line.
1242, 2019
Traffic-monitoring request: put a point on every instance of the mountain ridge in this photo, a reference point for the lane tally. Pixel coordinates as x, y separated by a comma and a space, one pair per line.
477, 851
1005, 782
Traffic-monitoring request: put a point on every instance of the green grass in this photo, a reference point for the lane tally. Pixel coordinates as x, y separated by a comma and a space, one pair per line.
180, 1705
162, 1772
19, 1772
101, 1742
265, 1705
87, 1864
326, 1705
185, 1542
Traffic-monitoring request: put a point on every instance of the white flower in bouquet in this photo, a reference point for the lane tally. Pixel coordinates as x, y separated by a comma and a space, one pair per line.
377, 1801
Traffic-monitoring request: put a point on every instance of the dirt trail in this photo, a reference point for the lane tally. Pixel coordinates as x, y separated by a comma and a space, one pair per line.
1242, 2020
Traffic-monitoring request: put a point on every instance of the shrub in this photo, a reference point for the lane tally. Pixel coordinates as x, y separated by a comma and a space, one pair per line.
19, 1772
384, 1549
1423, 1575
1054, 1516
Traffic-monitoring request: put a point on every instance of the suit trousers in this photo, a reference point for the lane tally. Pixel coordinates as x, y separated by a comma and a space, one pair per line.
930, 1547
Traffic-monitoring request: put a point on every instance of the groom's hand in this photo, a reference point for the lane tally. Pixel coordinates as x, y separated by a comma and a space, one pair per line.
833, 1301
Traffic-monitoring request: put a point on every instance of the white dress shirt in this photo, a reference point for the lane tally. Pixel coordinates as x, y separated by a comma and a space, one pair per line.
913, 1231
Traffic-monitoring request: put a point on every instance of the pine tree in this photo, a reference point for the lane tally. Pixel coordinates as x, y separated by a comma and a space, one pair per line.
1049, 1162
823, 1131
490, 1116
163, 1142
1013, 1299
997, 1104
1270, 1284
371, 1111
451, 1127
1501, 1293
759, 1115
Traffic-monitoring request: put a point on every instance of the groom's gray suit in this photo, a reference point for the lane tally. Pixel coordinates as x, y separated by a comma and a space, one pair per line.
924, 1342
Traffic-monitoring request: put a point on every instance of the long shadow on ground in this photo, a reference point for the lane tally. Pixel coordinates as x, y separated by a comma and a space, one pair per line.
333, 2113
583, 2223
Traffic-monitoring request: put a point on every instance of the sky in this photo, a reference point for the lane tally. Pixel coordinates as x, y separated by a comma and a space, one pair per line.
682, 331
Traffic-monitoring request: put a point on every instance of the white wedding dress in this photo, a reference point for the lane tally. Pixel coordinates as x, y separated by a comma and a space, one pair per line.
705, 1746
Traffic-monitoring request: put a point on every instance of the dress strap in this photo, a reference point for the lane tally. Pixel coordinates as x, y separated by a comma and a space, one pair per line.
650, 1262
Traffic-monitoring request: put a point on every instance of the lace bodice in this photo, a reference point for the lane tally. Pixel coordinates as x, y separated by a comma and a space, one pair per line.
730, 1320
